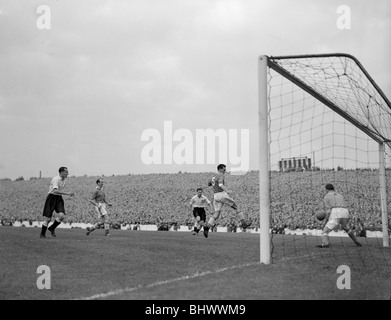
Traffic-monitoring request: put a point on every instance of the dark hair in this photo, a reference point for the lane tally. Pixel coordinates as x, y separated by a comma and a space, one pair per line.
329, 186
221, 166
62, 169
200, 189
97, 181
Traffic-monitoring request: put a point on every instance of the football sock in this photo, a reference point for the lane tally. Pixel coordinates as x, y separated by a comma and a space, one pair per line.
55, 224
44, 227
325, 239
352, 236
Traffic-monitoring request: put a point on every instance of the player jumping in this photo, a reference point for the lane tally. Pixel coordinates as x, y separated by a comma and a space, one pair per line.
221, 197
55, 202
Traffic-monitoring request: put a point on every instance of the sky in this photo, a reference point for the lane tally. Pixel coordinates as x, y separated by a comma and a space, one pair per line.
119, 87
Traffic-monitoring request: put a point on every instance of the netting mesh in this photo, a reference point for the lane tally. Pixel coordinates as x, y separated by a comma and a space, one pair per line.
310, 146
341, 80
313, 143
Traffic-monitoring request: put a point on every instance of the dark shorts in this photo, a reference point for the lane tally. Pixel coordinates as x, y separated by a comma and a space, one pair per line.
199, 212
53, 203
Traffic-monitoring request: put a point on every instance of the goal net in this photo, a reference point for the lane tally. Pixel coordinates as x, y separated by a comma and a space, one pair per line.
322, 119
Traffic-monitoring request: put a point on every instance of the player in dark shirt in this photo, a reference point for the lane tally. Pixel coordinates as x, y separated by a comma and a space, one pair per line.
98, 199
221, 197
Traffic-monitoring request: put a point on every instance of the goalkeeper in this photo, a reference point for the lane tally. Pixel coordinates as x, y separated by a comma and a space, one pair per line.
336, 214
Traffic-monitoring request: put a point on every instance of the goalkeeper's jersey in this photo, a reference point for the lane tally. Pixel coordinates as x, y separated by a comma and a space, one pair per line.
334, 200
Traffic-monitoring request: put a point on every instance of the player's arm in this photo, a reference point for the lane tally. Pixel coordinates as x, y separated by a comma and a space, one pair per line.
327, 208
61, 193
224, 188
108, 203
94, 203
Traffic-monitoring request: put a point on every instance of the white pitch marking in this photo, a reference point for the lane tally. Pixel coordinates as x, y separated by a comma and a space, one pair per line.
159, 283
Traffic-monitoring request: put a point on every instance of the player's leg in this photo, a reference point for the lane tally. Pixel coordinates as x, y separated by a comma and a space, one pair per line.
243, 222
215, 216
217, 209
325, 238
196, 220
345, 227
57, 221
202, 216
105, 219
331, 224
45, 226
60, 209
106, 224
196, 225
94, 227
97, 224
47, 213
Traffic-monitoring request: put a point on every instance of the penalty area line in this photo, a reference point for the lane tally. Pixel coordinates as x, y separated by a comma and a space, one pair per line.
164, 282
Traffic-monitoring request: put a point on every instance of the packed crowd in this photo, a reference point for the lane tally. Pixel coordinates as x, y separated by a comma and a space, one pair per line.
163, 199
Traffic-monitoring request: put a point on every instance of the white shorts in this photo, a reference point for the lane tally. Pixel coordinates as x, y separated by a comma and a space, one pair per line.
220, 199
335, 217
101, 209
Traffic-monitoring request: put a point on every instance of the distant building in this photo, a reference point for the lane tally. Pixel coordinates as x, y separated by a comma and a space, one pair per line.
295, 163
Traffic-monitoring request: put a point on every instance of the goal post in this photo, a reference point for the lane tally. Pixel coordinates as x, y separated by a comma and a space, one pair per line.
339, 83
264, 194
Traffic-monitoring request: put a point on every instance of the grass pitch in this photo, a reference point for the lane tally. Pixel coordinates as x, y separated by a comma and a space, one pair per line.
159, 265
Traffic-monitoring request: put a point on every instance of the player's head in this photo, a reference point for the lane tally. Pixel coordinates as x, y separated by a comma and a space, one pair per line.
199, 191
63, 171
329, 187
99, 182
221, 168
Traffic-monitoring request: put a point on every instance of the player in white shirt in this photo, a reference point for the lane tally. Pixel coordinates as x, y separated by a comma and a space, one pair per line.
55, 202
198, 204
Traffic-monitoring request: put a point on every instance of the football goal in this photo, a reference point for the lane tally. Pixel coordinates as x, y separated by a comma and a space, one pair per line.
322, 119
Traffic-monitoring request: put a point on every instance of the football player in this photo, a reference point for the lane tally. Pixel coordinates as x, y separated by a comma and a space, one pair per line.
221, 197
336, 214
198, 204
98, 199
